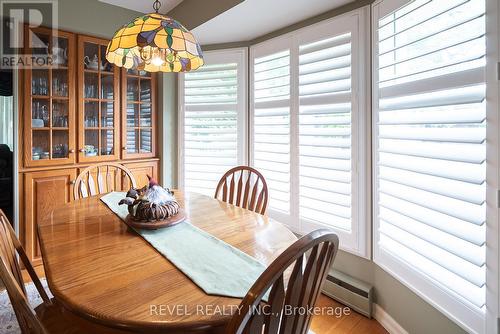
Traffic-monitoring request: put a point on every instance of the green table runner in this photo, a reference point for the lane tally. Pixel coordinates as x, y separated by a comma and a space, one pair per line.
215, 266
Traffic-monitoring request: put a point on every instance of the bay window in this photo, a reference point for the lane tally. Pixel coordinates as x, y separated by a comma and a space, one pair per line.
310, 131
308, 127
430, 151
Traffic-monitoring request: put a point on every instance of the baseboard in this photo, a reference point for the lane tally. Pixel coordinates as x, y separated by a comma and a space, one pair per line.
387, 321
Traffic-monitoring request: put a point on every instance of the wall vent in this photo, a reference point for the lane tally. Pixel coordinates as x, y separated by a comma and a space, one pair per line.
349, 291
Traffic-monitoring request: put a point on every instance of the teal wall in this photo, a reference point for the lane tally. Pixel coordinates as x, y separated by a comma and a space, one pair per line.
92, 17
168, 128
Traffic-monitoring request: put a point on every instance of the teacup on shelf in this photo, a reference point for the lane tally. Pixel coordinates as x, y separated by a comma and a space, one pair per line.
92, 64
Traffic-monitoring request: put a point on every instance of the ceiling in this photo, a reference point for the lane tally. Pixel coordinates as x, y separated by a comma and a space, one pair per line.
254, 18
144, 6
247, 20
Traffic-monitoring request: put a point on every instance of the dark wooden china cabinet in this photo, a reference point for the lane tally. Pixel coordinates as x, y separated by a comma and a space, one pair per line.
76, 112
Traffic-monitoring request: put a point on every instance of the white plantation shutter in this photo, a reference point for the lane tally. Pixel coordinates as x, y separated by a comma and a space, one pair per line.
271, 125
430, 196
325, 131
308, 127
212, 120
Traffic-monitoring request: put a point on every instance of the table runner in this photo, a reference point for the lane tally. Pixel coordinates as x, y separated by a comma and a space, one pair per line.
215, 266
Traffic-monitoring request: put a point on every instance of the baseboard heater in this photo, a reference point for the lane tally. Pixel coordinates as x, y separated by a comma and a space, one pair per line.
349, 291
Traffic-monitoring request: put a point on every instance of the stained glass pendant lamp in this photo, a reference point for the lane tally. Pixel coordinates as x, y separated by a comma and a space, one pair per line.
153, 43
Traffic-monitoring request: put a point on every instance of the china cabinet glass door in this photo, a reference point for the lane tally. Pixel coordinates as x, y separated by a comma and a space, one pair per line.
98, 102
49, 136
139, 121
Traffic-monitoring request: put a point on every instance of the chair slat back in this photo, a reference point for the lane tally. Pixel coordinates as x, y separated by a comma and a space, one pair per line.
304, 285
102, 186
245, 187
10, 273
102, 178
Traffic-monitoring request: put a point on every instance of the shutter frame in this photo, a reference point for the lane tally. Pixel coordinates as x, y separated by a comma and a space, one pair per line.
465, 310
271, 125
353, 234
215, 113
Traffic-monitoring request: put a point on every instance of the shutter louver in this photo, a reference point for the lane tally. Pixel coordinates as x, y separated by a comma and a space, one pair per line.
210, 125
271, 126
325, 132
431, 157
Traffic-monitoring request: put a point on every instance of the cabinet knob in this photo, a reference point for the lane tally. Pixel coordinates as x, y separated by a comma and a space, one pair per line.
71, 151
72, 182
82, 150
124, 148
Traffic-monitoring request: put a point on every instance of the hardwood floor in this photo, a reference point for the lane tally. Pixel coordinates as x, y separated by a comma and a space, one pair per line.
39, 271
353, 323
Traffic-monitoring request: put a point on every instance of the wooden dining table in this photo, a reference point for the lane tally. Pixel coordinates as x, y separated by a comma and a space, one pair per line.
101, 270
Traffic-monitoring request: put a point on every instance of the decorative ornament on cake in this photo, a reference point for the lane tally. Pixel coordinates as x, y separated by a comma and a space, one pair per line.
152, 206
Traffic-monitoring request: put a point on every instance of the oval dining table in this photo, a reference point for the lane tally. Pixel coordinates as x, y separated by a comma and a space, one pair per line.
101, 270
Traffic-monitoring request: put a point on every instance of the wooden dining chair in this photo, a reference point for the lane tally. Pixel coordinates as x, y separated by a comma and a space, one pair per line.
245, 187
47, 318
101, 178
301, 292
10, 273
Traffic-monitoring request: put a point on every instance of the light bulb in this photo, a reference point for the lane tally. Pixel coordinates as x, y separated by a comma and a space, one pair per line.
157, 61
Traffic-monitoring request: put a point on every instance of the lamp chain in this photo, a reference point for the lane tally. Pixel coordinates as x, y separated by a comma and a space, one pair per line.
156, 5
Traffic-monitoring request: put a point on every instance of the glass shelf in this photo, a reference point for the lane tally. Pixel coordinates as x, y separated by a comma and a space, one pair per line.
91, 114
40, 82
60, 83
99, 114
107, 142
132, 114
107, 114
105, 65
107, 86
91, 86
145, 115
40, 113
41, 145
139, 120
60, 139
132, 89
145, 90
91, 56
146, 140
60, 116
91, 142
132, 141
60, 53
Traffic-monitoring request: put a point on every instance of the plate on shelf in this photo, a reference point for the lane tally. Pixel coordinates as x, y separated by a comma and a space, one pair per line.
37, 123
